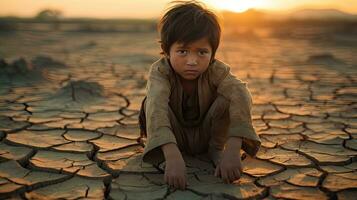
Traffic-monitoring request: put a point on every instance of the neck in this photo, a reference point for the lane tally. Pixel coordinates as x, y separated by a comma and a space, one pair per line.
188, 85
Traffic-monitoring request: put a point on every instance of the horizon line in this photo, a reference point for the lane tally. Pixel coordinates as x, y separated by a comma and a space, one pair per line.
267, 11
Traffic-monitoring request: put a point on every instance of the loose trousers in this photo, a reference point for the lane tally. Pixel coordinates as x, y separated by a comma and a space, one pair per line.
209, 136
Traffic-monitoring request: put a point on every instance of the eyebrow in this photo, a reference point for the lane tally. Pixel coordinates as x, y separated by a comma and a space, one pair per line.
185, 46
203, 49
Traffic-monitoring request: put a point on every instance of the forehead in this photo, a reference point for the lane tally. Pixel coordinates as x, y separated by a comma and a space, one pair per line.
200, 43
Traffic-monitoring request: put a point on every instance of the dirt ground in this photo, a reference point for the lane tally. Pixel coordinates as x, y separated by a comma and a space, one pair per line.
69, 105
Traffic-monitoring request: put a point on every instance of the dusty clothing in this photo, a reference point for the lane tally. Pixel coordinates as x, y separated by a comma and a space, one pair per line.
190, 106
224, 110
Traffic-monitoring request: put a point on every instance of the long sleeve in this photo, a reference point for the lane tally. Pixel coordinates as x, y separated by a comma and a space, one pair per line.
240, 99
159, 130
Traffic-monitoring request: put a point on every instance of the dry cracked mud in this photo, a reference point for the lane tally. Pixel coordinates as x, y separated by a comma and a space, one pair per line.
69, 128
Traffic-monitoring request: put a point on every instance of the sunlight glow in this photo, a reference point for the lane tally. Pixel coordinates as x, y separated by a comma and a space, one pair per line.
237, 5
154, 8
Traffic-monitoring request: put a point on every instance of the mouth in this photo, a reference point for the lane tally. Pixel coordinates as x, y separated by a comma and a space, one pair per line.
191, 71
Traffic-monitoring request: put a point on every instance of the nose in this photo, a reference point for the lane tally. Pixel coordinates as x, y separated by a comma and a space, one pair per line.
192, 60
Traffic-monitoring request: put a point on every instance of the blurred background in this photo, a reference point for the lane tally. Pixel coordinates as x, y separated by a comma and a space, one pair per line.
113, 42
329, 21
29, 27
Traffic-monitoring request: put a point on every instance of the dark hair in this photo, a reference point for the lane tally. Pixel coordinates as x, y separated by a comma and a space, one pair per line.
186, 22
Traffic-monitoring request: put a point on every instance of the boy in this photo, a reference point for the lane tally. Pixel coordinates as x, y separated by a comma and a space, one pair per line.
194, 104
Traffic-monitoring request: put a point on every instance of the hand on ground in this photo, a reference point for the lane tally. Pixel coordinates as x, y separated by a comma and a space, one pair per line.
230, 167
175, 173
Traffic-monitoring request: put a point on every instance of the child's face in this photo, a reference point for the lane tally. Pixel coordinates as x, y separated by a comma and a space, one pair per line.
191, 60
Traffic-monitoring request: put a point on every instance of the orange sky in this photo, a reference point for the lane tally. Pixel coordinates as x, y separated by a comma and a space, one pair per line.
153, 8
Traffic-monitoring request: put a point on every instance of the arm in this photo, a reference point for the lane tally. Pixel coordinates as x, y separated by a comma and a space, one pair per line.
233, 145
241, 133
240, 99
161, 142
175, 169
157, 114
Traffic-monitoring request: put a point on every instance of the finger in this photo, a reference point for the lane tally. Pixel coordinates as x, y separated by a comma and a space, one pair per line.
224, 176
237, 174
176, 183
171, 182
166, 179
182, 183
218, 172
185, 183
231, 176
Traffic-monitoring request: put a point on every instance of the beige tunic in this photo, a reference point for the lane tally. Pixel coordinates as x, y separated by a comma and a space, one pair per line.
164, 115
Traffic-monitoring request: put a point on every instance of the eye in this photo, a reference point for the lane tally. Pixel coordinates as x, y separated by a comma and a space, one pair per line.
181, 52
203, 53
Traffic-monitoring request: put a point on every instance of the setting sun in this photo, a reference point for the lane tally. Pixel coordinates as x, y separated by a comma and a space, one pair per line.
237, 5
153, 8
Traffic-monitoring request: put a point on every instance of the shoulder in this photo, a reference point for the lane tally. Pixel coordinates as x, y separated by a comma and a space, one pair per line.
218, 71
218, 68
161, 67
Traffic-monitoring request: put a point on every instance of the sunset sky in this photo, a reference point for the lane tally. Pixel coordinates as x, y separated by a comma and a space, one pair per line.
154, 8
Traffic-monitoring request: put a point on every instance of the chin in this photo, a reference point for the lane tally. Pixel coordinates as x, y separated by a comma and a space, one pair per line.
190, 78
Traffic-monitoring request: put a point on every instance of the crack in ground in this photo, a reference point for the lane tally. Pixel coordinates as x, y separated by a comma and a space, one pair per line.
73, 92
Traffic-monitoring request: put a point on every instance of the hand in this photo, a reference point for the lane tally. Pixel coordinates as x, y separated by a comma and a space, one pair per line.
230, 166
175, 169
175, 173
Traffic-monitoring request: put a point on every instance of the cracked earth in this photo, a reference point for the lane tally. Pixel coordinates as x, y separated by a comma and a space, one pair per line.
69, 105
